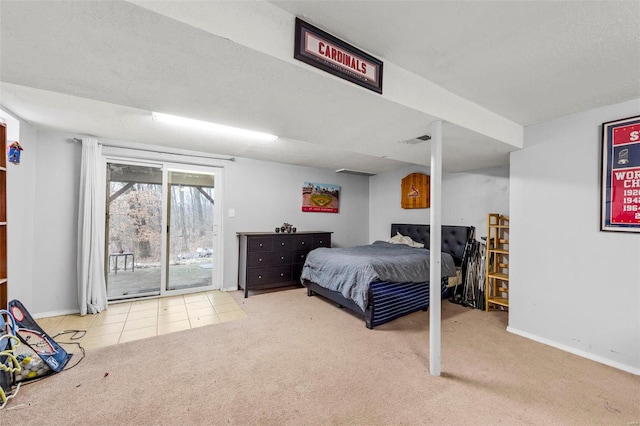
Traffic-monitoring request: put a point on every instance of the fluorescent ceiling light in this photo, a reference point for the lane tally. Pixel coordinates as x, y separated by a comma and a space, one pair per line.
218, 128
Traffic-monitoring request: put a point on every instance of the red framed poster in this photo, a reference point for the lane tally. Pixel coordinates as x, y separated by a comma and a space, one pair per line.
620, 209
320, 197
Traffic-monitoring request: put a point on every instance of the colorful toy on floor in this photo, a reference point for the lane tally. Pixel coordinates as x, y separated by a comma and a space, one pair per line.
26, 351
30, 333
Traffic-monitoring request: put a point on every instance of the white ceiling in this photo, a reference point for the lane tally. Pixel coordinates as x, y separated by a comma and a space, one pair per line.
99, 68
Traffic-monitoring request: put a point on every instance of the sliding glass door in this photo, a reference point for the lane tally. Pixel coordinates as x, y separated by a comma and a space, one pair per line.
191, 232
134, 230
162, 223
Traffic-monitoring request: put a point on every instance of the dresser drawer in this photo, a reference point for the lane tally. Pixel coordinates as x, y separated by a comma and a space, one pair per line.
259, 259
296, 271
302, 242
281, 242
299, 256
257, 244
262, 277
321, 240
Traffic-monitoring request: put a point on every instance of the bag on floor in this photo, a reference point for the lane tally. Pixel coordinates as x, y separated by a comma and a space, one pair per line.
49, 357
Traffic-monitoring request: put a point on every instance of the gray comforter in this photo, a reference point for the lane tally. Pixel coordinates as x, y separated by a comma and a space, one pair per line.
351, 270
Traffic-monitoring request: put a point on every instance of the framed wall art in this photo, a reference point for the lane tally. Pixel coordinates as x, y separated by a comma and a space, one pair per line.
320, 197
620, 207
328, 53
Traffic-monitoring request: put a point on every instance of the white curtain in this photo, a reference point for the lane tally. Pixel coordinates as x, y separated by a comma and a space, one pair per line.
92, 288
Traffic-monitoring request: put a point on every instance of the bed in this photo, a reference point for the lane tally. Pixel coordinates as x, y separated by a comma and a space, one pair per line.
375, 282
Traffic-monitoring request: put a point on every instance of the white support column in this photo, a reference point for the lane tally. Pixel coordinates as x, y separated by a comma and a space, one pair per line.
435, 247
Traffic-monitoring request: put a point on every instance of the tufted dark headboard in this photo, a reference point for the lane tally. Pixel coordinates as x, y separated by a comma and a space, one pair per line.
454, 238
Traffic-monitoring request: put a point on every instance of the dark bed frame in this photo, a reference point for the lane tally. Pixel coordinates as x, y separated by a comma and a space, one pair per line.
388, 301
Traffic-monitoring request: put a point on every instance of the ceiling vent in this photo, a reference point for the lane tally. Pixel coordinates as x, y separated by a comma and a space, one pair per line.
355, 172
416, 140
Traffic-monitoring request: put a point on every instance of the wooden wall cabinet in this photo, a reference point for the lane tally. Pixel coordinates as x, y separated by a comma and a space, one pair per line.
269, 260
416, 191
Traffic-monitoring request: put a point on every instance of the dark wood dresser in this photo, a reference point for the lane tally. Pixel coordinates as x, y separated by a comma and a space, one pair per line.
269, 259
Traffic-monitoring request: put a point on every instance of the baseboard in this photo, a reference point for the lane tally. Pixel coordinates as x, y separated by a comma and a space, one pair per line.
578, 352
40, 315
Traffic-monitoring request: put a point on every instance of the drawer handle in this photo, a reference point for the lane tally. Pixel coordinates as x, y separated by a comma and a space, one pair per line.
321, 241
281, 257
282, 274
303, 243
259, 277
281, 243
259, 260
260, 244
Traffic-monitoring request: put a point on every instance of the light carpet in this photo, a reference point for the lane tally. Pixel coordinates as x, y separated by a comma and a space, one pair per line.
298, 360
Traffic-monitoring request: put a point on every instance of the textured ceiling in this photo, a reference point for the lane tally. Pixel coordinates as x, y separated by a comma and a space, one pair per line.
99, 68
530, 61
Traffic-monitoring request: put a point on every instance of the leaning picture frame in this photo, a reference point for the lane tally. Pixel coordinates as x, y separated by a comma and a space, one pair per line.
620, 180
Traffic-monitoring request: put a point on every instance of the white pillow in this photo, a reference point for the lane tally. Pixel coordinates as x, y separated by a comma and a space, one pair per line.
404, 239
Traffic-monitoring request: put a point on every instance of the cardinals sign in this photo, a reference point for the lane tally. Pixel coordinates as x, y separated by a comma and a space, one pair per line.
415, 191
322, 50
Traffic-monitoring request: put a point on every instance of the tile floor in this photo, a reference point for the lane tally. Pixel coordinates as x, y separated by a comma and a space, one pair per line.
126, 321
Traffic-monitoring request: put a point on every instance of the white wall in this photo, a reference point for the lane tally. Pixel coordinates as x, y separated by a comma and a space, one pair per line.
264, 195
55, 224
467, 198
572, 286
43, 204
